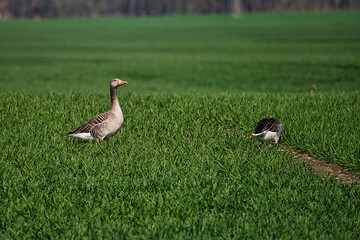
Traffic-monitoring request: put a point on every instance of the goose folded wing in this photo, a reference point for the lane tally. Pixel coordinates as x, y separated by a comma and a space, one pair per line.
89, 125
272, 126
268, 125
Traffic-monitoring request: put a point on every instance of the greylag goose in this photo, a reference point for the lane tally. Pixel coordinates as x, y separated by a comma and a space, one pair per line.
268, 129
106, 124
313, 88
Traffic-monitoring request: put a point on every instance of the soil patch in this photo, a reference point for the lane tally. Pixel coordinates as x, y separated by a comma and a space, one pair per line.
321, 166
324, 167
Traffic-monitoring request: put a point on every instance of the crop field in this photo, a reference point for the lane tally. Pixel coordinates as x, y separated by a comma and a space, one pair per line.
183, 166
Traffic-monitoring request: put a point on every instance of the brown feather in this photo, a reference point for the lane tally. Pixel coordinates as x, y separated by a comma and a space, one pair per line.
89, 125
268, 124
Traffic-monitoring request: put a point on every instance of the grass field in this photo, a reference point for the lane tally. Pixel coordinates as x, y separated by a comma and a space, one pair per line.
258, 53
183, 165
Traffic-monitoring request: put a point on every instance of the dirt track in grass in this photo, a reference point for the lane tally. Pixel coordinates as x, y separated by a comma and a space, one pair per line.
321, 166
324, 167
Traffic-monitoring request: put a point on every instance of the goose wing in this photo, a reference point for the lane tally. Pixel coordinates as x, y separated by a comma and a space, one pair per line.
89, 126
268, 124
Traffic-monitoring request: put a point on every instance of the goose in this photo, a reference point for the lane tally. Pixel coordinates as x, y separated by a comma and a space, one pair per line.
103, 125
268, 129
313, 88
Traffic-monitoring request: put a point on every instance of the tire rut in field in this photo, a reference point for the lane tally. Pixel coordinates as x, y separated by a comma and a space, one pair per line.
324, 167
321, 166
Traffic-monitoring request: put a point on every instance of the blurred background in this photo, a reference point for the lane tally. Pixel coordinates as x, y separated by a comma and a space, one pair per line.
38, 9
269, 46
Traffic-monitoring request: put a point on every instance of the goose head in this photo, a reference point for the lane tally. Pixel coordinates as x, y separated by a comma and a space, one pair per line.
117, 82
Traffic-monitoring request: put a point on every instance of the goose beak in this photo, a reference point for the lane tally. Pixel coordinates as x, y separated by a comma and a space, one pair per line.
122, 83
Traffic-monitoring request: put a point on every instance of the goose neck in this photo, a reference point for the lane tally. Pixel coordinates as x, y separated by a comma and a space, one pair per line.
114, 99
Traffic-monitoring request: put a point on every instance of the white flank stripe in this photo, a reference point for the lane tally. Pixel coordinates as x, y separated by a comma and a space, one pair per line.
84, 136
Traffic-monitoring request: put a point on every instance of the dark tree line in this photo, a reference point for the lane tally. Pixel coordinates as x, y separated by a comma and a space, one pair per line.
92, 8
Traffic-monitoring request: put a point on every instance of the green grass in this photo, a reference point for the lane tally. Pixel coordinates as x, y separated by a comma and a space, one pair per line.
183, 165
171, 172
257, 53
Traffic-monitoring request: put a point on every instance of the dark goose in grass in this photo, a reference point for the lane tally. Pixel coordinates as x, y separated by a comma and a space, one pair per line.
106, 124
268, 129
